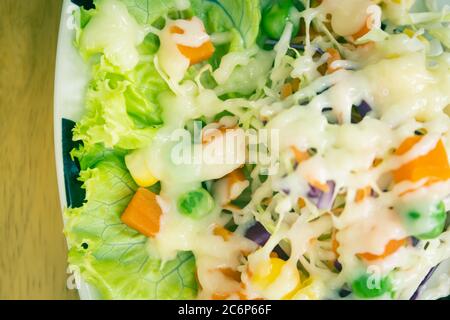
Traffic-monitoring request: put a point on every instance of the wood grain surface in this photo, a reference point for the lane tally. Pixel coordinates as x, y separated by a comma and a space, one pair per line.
32, 246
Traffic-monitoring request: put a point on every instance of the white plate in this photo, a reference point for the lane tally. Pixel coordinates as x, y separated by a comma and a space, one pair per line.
71, 78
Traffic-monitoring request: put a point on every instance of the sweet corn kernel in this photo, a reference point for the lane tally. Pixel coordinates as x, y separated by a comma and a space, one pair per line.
277, 279
135, 163
267, 272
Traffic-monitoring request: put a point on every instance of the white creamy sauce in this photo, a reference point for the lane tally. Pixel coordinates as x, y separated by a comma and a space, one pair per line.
118, 38
173, 62
348, 16
404, 95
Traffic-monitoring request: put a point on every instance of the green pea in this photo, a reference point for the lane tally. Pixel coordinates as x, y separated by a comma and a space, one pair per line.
196, 204
276, 16
363, 287
439, 215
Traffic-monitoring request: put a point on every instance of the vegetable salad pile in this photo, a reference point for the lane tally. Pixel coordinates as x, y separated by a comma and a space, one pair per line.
358, 94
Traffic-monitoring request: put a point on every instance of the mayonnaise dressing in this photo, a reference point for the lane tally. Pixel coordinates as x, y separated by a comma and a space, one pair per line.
405, 95
172, 61
347, 16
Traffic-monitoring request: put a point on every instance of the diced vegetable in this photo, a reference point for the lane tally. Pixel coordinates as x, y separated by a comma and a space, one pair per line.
364, 30
275, 17
230, 187
196, 204
322, 194
194, 54
334, 244
286, 90
299, 155
363, 193
236, 183
222, 232
257, 233
136, 164
438, 217
334, 56
231, 274
289, 88
366, 288
220, 296
433, 166
391, 247
360, 111
364, 108
197, 55
267, 273
143, 213
264, 275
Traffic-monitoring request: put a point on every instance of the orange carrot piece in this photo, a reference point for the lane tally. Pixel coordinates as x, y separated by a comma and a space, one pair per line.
231, 274
236, 176
197, 55
391, 247
143, 213
176, 30
363, 31
273, 254
377, 162
220, 296
407, 145
334, 56
434, 166
286, 90
222, 232
334, 244
319, 185
236, 183
299, 155
295, 84
363, 193
194, 54
301, 203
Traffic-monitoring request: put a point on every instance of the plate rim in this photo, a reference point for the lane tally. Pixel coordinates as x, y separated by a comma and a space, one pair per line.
73, 109
66, 35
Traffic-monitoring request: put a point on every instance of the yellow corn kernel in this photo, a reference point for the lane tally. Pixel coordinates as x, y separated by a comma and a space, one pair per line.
267, 272
277, 279
136, 164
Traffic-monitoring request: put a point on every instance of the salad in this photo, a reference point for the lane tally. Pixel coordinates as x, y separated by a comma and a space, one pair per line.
263, 149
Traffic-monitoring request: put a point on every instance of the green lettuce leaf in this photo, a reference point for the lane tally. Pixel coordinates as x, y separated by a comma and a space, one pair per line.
148, 11
122, 97
241, 18
120, 111
118, 261
122, 107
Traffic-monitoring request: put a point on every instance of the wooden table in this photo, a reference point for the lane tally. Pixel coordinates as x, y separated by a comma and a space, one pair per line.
32, 246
